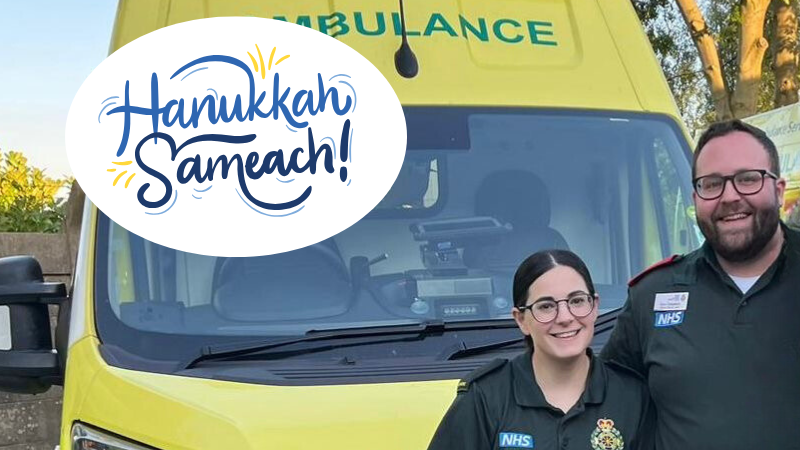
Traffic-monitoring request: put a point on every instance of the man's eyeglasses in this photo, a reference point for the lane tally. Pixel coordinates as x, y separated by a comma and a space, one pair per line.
545, 310
746, 182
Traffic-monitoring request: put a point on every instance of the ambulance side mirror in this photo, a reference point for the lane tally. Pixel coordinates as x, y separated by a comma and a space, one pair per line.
28, 362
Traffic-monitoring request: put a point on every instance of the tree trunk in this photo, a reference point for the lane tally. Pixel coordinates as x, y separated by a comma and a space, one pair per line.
709, 56
784, 52
752, 46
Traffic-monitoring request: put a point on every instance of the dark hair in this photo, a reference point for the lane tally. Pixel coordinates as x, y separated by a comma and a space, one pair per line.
540, 263
727, 127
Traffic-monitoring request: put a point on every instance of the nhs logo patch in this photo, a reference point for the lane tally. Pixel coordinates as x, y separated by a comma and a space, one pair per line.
516, 440
669, 318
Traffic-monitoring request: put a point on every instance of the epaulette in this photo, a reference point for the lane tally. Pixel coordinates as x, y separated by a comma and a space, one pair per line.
463, 385
663, 263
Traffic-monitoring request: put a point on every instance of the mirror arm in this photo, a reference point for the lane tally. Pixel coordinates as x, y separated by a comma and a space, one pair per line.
32, 293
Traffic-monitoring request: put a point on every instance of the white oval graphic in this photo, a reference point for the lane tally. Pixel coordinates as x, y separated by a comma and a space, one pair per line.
236, 136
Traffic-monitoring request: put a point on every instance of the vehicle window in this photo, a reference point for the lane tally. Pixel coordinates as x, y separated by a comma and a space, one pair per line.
682, 233
479, 191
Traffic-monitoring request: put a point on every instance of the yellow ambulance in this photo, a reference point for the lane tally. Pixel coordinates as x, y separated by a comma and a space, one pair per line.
531, 124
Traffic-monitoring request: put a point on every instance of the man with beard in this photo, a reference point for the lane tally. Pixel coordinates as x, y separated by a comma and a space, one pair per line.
716, 333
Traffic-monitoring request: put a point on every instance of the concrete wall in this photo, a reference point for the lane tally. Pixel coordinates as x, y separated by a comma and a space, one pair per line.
32, 422
49, 249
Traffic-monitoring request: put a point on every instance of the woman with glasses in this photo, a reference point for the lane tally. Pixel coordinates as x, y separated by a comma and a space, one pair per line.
557, 395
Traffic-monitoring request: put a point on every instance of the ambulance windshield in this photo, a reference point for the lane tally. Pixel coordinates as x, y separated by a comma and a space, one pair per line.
480, 190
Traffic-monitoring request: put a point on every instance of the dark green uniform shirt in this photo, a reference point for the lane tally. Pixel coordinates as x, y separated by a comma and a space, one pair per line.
723, 368
500, 406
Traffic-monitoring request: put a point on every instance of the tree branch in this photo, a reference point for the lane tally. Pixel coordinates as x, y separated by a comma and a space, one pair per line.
709, 56
752, 47
784, 53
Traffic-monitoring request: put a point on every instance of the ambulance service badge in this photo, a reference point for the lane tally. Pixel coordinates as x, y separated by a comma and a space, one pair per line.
606, 437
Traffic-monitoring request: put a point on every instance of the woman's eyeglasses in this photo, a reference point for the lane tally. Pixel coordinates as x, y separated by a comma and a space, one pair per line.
545, 310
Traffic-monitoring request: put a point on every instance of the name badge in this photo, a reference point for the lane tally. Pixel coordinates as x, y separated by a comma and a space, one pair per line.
671, 301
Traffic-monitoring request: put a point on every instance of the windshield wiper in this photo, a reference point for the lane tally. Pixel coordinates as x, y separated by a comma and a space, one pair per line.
464, 350
416, 331
605, 322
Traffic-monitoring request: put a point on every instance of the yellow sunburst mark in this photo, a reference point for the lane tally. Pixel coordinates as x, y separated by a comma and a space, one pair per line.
261, 58
120, 176
121, 163
111, 170
129, 180
255, 64
272, 55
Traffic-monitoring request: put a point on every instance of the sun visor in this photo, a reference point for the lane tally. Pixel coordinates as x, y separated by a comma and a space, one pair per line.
436, 129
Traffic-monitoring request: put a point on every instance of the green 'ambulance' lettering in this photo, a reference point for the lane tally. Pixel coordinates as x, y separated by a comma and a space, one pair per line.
536, 32
498, 31
398, 27
505, 30
444, 26
482, 33
359, 18
338, 19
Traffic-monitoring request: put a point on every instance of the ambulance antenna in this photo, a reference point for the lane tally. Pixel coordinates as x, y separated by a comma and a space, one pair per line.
404, 59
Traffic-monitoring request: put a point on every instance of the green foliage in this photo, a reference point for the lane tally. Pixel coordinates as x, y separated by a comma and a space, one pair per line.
652, 13
680, 62
724, 17
28, 200
675, 51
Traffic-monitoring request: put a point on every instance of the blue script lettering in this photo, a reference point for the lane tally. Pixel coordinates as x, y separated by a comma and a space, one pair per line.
173, 111
192, 167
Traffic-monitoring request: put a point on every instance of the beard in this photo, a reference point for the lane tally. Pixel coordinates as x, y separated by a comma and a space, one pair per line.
741, 245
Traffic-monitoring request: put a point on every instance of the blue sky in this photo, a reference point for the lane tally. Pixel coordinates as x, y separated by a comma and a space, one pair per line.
47, 49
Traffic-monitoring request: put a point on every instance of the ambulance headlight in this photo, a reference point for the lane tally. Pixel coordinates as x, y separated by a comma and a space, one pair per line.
86, 438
